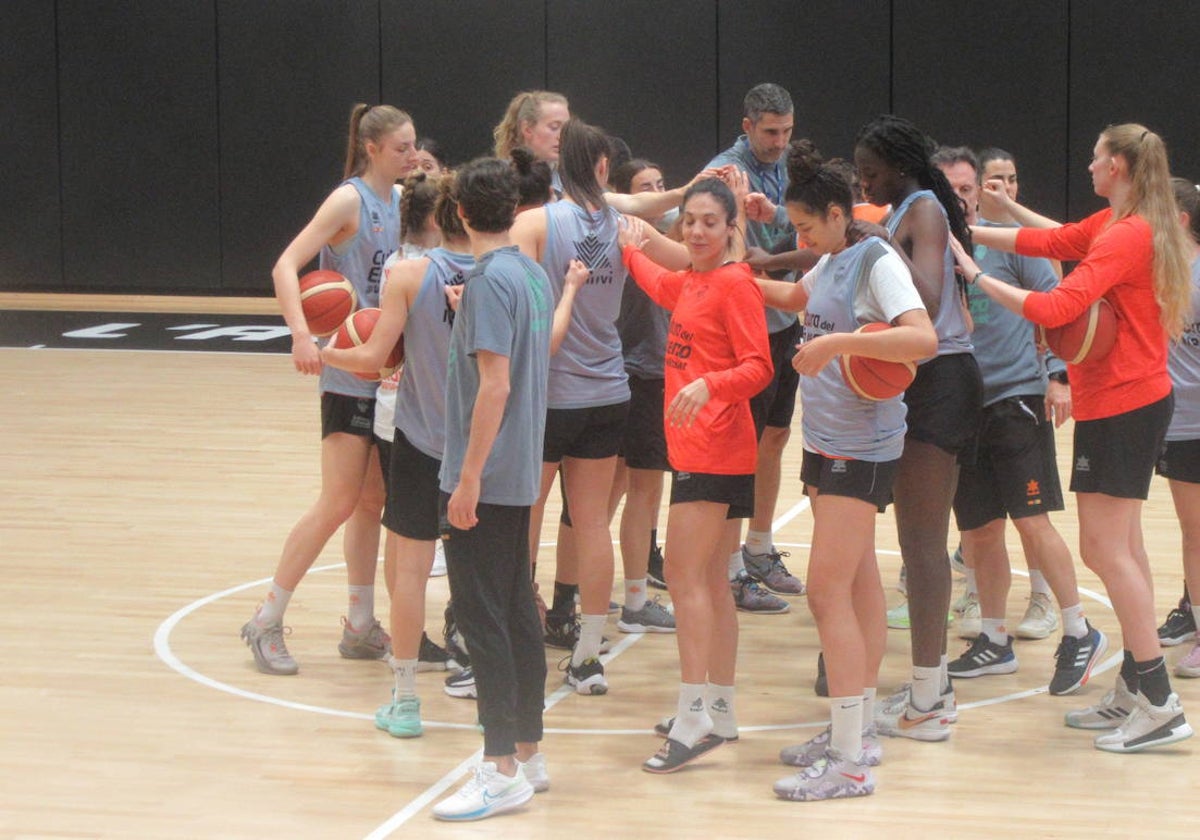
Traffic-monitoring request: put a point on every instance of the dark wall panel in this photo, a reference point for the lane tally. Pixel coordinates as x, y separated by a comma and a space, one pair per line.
831, 56
643, 76
290, 70
139, 144
989, 74
1132, 64
30, 246
455, 66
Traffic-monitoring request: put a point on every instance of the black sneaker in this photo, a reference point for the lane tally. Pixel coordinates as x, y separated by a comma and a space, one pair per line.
821, 686
432, 656
1179, 627
654, 573
585, 678
1075, 659
563, 633
461, 684
456, 645
984, 657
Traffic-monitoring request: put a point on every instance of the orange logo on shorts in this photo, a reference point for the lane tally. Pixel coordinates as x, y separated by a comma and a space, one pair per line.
1032, 488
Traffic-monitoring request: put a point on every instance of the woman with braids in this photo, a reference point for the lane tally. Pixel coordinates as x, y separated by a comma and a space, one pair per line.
414, 305
354, 230
852, 448
1134, 254
944, 402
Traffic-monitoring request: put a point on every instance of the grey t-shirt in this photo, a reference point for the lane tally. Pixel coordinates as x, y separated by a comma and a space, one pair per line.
505, 309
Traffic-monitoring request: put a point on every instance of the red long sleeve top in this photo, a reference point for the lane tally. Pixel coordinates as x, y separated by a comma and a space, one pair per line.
1117, 263
719, 332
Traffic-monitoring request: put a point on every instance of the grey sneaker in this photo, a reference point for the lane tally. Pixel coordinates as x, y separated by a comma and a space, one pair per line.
270, 653
748, 596
1112, 710
768, 569
833, 776
371, 643
653, 617
813, 750
1147, 726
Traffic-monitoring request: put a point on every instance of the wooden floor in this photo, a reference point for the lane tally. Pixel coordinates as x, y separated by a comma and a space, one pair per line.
144, 498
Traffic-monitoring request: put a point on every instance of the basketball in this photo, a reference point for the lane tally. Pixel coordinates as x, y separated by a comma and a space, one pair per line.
327, 299
356, 330
1089, 337
875, 379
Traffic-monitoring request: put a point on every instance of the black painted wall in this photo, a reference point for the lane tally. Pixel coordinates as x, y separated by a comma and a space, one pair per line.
177, 145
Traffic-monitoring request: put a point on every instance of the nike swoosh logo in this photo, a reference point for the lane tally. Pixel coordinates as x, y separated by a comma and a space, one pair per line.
908, 723
860, 779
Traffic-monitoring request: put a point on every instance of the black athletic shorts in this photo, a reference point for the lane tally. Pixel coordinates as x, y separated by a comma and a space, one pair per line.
944, 404
1015, 473
868, 481
775, 404
352, 415
644, 445
737, 491
1116, 455
385, 458
1180, 461
411, 509
584, 432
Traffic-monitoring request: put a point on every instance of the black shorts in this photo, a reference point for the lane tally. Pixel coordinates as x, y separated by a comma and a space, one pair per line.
352, 415
1180, 461
584, 432
1015, 473
385, 458
1116, 455
868, 481
944, 404
411, 509
644, 445
737, 491
776, 404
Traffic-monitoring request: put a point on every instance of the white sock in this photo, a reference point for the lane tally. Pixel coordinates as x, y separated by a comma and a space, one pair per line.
271, 610
926, 687
995, 630
405, 671
759, 542
1073, 621
691, 720
719, 699
972, 588
361, 611
945, 681
868, 714
591, 634
635, 594
1037, 582
736, 566
846, 725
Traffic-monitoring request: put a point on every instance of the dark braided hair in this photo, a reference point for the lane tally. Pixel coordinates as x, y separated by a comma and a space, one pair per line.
416, 203
815, 183
904, 146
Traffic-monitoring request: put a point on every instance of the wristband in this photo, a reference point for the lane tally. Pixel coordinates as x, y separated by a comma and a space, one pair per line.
975, 279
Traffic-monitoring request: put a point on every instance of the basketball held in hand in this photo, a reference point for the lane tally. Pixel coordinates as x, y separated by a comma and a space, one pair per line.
1090, 337
875, 379
327, 299
355, 331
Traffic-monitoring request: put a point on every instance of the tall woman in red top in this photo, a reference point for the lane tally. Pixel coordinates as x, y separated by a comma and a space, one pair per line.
717, 358
1135, 255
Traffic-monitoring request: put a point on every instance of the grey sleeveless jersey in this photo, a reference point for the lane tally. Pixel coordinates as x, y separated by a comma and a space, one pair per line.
1183, 362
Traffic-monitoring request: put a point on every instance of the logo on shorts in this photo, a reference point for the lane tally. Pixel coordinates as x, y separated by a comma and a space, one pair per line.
1033, 493
683, 476
838, 467
1082, 464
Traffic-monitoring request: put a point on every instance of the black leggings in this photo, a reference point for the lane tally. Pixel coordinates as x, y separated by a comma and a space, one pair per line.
490, 584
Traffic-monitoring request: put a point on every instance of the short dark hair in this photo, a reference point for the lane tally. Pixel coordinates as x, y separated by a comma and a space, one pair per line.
947, 155
720, 191
767, 98
622, 176
486, 190
992, 153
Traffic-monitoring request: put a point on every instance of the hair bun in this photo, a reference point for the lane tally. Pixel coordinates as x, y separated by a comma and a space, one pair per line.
522, 159
803, 161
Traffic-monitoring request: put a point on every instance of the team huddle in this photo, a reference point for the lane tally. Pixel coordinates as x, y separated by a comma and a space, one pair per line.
563, 315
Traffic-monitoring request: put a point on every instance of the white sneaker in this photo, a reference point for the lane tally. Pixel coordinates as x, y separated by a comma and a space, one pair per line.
488, 792
439, 560
1147, 726
1109, 713
970, 622
899, 700
833, 776
812, 750
1040, 618
536, 773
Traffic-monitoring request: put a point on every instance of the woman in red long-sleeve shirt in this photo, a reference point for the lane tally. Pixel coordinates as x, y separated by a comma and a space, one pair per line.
1135, 255
717, 358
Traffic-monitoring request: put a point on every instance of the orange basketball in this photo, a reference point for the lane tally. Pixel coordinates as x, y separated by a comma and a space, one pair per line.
1089, 337
875, 379
356, 330
328, 299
